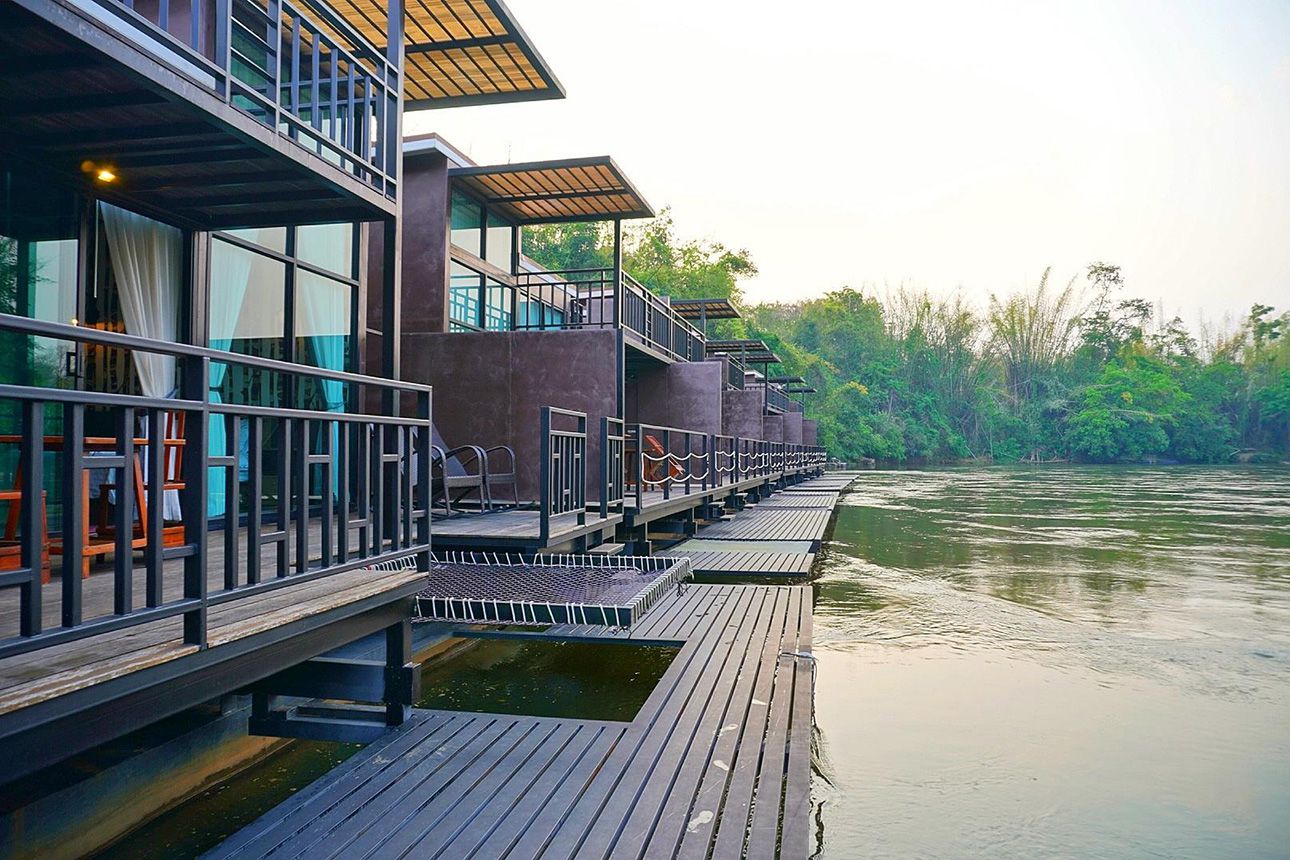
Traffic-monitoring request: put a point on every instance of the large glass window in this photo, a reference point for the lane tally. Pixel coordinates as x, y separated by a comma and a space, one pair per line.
467, 224
498, 315
500, 242
464, 304
328, 246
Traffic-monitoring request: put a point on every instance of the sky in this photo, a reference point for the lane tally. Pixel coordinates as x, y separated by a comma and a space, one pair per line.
947, 146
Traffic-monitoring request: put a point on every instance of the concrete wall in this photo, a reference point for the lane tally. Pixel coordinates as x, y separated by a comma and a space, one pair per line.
685, 395
772, 428
742, 412
490, 388
793, 427
426, 215
810, 432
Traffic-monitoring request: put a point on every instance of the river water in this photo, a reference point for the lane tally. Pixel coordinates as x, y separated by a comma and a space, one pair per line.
1056, 662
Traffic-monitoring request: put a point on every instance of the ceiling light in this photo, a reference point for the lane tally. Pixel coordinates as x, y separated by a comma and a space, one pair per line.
105, 175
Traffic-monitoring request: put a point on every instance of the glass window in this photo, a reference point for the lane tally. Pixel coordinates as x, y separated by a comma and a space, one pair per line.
467, 224
248, 301
327, 246
497, 309
464, 300
323, 336
273, 238
500, 244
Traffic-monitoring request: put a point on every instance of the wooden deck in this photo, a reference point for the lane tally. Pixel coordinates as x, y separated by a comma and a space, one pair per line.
520, 529
800, 500
715, 764
762, 524
34, 677
735, 562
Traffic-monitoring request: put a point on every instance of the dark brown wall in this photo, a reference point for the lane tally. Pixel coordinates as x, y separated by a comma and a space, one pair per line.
426, 213
810, 432
685, 395
772, 428
741, 412
792, 427
490, 388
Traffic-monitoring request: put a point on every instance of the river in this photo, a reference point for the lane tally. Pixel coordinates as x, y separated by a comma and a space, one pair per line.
1056, 662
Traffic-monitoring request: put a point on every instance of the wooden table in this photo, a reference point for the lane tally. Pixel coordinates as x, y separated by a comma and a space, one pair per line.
96, 544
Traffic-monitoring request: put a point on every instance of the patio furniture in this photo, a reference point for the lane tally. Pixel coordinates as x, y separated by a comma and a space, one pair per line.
92, 543
10, 546
457, 473
172, 532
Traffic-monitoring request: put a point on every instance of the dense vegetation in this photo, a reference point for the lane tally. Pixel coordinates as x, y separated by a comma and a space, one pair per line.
1077, 372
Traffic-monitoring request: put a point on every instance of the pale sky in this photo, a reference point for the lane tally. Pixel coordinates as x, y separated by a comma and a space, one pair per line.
947, 145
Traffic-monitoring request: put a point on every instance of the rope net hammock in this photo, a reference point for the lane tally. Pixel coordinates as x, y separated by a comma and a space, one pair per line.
497, 588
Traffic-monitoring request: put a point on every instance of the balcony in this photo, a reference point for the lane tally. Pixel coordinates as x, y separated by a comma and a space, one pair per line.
117, 558
211, 113
589, 298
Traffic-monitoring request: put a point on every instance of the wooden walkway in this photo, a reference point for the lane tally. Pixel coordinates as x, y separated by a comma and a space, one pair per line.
715, 764
800, 500
780, 524
740, 563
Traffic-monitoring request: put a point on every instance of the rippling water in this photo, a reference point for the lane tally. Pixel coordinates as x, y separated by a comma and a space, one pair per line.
1056, 662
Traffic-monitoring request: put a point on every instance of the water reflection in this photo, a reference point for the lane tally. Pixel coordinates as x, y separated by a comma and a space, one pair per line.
1057, 662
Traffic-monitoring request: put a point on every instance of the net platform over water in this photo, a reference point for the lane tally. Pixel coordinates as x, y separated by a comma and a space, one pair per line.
490, 588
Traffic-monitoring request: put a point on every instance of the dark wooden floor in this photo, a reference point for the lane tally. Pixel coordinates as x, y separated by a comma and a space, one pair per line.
715, 764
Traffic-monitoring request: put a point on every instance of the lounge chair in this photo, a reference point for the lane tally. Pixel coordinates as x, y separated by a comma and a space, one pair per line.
457, 473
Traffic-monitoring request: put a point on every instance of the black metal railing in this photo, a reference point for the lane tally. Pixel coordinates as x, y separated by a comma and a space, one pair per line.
589, 298
336, 476
613, 466
735, 372
563, 470
296, 67
669, 460
776, 399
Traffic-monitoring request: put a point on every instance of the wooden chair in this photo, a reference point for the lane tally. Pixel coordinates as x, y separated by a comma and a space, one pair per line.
172, 532
10, 546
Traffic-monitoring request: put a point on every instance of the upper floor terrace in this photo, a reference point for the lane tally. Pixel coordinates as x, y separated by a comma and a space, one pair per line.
240, 113
494, 287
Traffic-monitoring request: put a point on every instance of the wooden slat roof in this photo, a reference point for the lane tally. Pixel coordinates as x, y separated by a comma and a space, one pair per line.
458, 52
751, 351
712, 309
544, 192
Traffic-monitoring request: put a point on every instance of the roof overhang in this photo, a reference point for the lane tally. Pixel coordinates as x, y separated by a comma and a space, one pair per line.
457, 52
787, 380
548, 192
748, 351
705, 309
800, 389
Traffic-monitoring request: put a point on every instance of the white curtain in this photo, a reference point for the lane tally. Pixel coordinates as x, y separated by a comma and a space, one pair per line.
230, 276
147, 260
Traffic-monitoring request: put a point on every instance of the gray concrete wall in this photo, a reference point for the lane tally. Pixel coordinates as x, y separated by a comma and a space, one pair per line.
772, 428
792, 427
810, 432
490, 388
742, 412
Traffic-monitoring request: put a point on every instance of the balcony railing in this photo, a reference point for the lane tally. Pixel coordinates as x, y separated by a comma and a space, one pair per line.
296, 67
777, 400
589, 298
334, 491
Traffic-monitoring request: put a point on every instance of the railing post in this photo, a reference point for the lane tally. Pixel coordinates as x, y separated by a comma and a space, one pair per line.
32, 463
195, 385
421, 459
545, 474
640, 467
